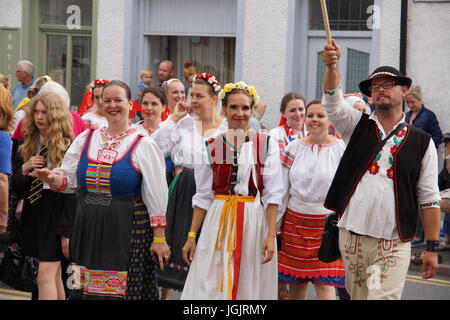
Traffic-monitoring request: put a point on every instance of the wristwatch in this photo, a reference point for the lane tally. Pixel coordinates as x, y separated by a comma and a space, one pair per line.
432, 245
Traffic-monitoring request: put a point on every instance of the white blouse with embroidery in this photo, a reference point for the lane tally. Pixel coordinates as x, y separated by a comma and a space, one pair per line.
279, 134
147, 158
272, 179
307, 176
183, 142
94, 121
371, 209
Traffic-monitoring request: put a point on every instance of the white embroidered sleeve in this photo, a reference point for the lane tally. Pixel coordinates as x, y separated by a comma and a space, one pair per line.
273, 182
69, 165
203, 180
343, 117
149, 160
427, 186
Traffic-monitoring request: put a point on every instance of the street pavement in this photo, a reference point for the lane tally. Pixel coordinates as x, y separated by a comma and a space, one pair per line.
416, 288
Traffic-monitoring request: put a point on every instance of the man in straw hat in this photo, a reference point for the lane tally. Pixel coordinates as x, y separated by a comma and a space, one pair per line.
379, 188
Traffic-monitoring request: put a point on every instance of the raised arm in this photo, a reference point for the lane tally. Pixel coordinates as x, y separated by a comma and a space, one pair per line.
343, 117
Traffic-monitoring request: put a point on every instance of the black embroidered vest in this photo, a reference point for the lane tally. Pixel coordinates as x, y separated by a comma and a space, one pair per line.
407, 163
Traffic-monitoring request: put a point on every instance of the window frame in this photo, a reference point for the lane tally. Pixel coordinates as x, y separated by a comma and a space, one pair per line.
34, 39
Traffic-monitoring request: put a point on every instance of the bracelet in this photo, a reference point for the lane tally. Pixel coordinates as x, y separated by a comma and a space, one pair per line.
159, 240
192, 235
432, 245
62, 187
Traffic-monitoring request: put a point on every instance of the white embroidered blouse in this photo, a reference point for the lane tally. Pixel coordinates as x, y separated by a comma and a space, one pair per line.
307, 176
183, 142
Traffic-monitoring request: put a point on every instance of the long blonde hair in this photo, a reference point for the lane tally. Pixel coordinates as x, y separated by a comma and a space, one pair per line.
59, 133
4, 80
6, 112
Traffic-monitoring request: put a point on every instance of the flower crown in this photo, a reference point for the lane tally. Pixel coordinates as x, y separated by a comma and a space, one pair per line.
99, 82
210, 79
239, 85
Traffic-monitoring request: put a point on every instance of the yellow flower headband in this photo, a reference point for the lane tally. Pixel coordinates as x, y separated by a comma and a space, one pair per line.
239, 85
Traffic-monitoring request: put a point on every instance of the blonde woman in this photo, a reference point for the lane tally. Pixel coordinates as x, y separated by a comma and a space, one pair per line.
48, 136
6, 121
4, 80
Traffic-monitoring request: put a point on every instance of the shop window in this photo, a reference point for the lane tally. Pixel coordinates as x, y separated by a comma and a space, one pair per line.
67, 52
357, 69
344, 15
215, 55
56, 12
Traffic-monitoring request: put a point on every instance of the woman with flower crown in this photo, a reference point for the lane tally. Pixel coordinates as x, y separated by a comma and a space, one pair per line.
238, 192
183, 136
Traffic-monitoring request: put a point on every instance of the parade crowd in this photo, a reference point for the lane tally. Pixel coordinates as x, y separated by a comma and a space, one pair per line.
182, 187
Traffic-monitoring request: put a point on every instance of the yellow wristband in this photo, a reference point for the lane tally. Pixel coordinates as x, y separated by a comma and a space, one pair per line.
159, 240
192, 235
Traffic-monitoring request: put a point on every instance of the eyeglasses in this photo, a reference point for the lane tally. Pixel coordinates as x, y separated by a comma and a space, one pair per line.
386, 86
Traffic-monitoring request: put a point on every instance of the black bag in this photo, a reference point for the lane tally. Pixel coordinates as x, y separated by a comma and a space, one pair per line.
19, 272
329, 248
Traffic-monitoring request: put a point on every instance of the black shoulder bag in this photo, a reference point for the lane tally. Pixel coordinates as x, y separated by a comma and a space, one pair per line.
329, 248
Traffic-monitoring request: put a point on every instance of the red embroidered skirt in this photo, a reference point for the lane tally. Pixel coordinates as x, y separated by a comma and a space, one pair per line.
301, 237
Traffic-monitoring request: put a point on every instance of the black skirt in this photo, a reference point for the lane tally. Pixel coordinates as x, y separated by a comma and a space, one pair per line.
38, 227
179, 218
112, 238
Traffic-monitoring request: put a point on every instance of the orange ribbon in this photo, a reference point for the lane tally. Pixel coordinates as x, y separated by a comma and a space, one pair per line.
232, 223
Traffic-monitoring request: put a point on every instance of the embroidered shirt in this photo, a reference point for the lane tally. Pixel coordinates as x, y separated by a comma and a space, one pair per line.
371, 209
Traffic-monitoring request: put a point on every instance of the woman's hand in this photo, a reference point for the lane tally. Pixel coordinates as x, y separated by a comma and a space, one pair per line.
268, 249
180, 111
33, 163
44, 175
65, 246
188, 250
162, 251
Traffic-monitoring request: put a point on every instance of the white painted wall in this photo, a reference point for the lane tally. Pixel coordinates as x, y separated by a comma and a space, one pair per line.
390, 33
428, 55
264, 50
111, 39
11, 13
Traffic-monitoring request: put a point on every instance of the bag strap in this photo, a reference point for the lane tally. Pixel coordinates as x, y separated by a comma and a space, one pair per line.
380, 146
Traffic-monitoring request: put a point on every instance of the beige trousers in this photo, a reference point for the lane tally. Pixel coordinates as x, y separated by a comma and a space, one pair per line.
375, 269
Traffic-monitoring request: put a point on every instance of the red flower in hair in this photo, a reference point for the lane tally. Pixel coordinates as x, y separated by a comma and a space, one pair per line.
210, 79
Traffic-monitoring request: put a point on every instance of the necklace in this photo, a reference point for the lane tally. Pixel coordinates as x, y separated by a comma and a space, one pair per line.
114, 142
149, 130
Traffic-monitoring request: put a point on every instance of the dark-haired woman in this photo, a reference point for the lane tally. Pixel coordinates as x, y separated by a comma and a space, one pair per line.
292, 120
183, 136
153, 102
120, 217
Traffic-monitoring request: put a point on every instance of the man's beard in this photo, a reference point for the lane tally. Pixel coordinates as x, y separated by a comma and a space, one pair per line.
384, 106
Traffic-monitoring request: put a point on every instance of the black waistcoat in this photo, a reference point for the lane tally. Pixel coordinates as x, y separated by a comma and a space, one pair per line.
359, 155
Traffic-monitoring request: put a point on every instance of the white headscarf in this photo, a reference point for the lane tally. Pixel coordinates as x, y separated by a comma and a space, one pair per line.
57, 89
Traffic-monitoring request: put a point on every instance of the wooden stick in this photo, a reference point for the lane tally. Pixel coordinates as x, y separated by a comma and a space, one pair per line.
326, 23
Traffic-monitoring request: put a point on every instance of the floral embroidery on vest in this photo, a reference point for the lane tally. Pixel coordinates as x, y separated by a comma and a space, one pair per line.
393, 146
